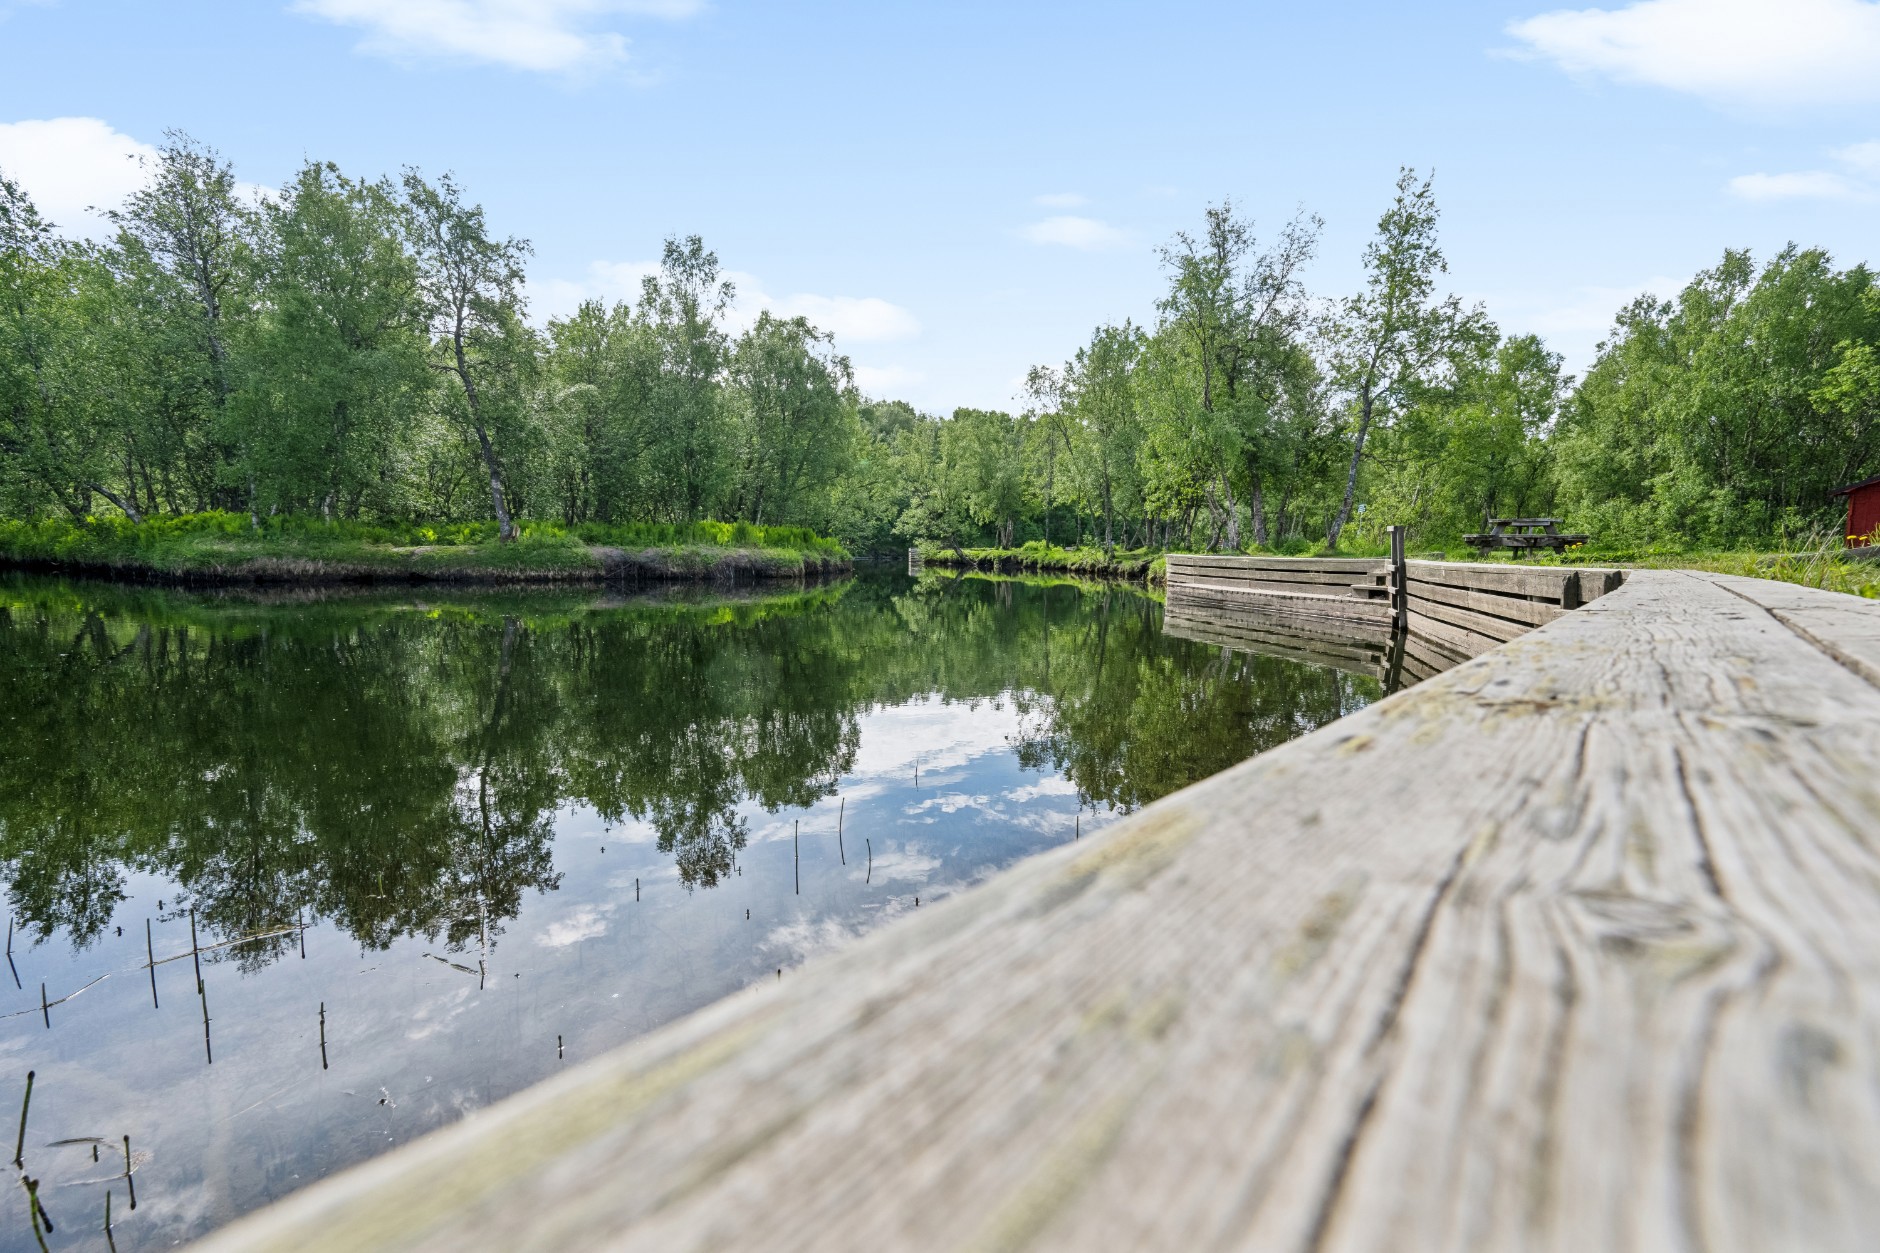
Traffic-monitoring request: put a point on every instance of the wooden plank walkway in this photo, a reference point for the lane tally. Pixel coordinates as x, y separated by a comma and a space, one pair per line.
1575, 946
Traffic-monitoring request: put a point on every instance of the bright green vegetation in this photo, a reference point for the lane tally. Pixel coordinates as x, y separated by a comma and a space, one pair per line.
359, 350
298, 549
1039, 557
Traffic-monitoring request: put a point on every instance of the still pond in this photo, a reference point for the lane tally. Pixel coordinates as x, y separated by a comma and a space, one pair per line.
426, 848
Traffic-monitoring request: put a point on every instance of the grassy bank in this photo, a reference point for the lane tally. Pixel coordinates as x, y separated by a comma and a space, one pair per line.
1827, 566
214, 548
1040, 558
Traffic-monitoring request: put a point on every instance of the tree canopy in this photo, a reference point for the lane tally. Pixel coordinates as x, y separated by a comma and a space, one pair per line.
363, 348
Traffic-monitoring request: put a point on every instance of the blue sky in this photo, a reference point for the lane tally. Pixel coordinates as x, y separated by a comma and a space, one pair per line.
963, 190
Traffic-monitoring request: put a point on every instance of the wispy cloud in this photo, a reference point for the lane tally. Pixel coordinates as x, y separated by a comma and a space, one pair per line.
546, 36
1763, 52
883, 380
852, 319
1074, 232
1798, 185
1857, 180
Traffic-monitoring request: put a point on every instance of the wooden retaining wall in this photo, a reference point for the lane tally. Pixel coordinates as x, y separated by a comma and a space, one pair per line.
1454, 610
1342, 589
1575, 946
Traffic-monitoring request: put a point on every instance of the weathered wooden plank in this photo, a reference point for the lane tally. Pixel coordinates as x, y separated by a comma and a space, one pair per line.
1576, 946
1497, 629
1430, 652
1519, 609
1323, 565
1596, 581
1345, 608
1545, 582
1458, 640
1308, 578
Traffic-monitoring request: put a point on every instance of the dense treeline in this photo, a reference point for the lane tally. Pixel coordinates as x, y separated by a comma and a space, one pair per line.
358, 349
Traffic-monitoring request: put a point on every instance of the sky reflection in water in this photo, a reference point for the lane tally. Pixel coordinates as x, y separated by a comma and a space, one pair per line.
519, 830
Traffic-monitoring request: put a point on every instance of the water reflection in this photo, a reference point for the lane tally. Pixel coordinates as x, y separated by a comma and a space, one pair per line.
468, 828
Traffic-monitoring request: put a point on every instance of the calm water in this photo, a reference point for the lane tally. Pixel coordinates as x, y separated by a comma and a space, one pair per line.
495, 835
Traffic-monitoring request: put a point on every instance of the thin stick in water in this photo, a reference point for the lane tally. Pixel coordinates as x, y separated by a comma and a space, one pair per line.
322, 1035
32, 1209
796, 857
558, 1053
107, 1221
204, 993
299, 922
636, 887
19, 1146
129, 1181
150, 949
871, 860
195, 951
840, 806
44, 1217
44, 1009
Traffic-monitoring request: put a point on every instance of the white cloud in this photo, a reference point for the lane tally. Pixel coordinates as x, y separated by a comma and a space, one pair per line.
1061, 200
1799, 185
582, 924
1074, 232
69, 164
551, 36
1769, 52
1861, 183
883, 380
853, 319
1574, 321
1863, 157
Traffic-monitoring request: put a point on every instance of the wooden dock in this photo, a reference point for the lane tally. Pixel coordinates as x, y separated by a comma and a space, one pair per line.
1575, 946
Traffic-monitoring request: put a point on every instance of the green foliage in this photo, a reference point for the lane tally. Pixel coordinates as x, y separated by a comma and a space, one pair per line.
358, 350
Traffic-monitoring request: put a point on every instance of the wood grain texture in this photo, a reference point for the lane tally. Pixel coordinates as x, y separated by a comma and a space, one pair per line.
1345, 607
1514, 608
1546, 582
1333, 565
1574, 947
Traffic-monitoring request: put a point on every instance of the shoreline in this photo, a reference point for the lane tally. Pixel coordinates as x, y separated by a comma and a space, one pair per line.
596, 566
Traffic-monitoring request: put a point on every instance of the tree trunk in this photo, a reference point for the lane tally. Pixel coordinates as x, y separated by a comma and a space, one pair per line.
1351, 476
1257, 503
129, 506
1233, 515
505, 529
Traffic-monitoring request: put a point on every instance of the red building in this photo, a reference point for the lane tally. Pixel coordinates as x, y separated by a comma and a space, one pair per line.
1863, 511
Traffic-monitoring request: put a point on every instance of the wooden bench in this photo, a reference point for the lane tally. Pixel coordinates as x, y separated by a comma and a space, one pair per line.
1522, 535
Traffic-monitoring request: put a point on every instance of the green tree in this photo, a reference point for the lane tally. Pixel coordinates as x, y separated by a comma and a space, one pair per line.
334, 373
798, 426
471, 282
1394, 339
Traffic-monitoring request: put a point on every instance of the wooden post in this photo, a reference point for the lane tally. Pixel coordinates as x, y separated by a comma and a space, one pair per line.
1399, 588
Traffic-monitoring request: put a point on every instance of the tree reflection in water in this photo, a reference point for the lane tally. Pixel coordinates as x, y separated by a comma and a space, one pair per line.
394, 765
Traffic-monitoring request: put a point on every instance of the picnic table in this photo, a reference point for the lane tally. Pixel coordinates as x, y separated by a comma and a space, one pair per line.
1522, 535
